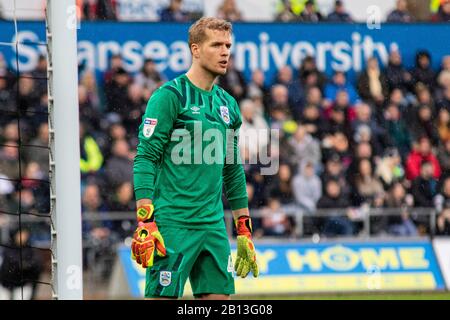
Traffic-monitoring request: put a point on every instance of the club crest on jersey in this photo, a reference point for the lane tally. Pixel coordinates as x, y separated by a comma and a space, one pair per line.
165, 278
149, 127
225, 114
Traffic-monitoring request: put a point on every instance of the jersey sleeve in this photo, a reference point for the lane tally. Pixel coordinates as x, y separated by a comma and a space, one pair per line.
154, 134
233, 171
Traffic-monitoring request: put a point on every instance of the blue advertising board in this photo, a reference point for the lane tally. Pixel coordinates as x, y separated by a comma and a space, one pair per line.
327, 267
262, 46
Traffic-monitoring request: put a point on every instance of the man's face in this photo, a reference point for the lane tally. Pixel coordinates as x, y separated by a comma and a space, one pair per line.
214, 53
426, 171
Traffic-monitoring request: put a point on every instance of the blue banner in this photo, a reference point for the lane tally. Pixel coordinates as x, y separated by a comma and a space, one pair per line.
328, 267
256, 45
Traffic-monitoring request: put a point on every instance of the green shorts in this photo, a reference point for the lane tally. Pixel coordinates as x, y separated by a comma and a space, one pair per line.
202, 255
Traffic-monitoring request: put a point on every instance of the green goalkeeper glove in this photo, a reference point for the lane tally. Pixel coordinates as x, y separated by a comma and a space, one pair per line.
147, 238
246, 254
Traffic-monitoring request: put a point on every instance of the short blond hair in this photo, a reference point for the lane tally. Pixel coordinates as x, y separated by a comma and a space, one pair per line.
197, 32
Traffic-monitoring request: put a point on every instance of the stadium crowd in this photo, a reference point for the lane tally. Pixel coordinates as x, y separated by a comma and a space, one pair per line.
285, 11
382, 141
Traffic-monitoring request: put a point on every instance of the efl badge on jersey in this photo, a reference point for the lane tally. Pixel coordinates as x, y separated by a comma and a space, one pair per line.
165, 278
149, 127
224, 112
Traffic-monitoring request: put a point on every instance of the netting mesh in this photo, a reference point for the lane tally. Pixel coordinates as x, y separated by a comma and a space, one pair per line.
25, 218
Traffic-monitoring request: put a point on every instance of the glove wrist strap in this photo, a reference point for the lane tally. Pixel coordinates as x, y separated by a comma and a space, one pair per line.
244, 226
145, 214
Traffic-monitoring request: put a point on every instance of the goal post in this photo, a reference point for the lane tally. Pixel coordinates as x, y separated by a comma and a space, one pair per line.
61, 30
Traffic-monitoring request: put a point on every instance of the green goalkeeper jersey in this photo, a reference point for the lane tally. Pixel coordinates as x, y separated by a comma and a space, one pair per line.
188, 149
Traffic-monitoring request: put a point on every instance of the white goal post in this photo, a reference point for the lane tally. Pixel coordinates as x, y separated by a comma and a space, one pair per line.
61, 30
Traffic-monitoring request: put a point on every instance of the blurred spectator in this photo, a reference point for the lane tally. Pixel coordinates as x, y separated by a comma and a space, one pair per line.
310, 14
106, 9
396, 74
280, 99
122, 200
115, 63
40, 76
443, 223
99, 234
389, 169
339, 82
442, 199
98, 9
367, 185
174, 13
284, 76
444, 156
400, 224
286, 12
233, 81
28, 96
280, 186
258, 92
39, 155
310, 74
364, 118
334, 170
342, 102
20, 267
6, 73
135, 107
87, 113
7, 100
339, 14
119, 167
442, 205
397, 129
89, 82
91, 157
424, 125
304, 148
254, 131
337, 121
443, 78
424, 187
337, 143
149, 77
11, 132
275, 221
9, 159
372, 83
422, 72
401, 13
116, 92
340, 224
444, 101
307, 187
313, 122
443, 14
229, 11
421, 152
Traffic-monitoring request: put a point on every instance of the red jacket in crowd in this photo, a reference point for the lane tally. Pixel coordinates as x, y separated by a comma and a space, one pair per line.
414, 161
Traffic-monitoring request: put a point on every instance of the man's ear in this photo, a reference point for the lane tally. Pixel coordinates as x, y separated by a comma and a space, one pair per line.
195, 49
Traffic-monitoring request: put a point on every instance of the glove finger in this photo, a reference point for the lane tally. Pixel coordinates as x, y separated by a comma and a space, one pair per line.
144, 261
245, 269
160, 249
255, 269
240, 267
133, 255
236, 264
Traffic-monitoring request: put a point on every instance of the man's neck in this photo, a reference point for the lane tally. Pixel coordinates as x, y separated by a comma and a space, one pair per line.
201, 78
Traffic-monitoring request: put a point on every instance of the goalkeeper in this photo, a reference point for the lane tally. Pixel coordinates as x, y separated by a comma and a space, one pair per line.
181, 230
